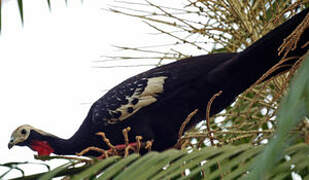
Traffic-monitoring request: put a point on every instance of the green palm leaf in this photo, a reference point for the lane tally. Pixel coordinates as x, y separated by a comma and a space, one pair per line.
230, 162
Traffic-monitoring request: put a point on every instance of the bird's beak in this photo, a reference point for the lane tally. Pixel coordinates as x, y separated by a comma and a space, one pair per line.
10, 145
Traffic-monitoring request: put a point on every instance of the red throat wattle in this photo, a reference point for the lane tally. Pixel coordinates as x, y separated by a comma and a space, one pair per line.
42, 147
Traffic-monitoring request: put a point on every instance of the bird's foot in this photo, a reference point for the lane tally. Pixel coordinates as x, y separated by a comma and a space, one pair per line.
121, 149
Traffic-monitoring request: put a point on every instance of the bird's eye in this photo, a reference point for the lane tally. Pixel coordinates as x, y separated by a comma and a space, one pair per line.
23, 131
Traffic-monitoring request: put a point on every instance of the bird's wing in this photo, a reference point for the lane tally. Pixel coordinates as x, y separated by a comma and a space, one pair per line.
128, 98
158, 84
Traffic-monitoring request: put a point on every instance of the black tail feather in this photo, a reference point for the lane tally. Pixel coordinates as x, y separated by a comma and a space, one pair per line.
248, 66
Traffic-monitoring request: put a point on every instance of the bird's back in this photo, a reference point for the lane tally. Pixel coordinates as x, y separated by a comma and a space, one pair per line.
155, 100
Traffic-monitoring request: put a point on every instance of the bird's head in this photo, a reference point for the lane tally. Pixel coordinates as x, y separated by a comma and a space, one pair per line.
34, 138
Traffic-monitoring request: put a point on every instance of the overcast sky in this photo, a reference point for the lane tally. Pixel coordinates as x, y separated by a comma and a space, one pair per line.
47, 72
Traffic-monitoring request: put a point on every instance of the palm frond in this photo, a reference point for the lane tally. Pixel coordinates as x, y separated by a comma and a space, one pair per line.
228, 162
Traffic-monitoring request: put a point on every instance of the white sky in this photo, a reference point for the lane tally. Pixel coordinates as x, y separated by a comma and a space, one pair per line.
46, 68
47, 74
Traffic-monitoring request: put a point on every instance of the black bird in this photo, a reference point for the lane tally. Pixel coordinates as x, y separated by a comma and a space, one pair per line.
156, 102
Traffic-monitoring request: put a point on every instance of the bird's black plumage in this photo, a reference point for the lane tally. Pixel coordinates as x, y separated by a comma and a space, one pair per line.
156, 102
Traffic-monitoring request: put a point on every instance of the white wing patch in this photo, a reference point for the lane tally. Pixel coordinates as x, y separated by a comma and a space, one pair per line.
146, 97
154, 86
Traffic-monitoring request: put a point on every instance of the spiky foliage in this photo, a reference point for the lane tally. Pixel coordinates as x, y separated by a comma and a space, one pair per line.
229, 25
232, 138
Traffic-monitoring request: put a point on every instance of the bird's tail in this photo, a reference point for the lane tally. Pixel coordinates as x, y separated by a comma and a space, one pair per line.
248, 66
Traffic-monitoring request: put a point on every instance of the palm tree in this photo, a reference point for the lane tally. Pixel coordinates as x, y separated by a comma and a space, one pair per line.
260, 136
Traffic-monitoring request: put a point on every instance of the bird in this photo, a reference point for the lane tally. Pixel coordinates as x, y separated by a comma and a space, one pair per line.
155, 103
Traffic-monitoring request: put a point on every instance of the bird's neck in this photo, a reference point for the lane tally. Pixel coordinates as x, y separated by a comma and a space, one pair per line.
66, 146
79, 141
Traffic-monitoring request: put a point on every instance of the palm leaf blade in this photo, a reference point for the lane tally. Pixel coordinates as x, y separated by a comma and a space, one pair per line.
55, 171
134, 170
95, 168
117, 167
